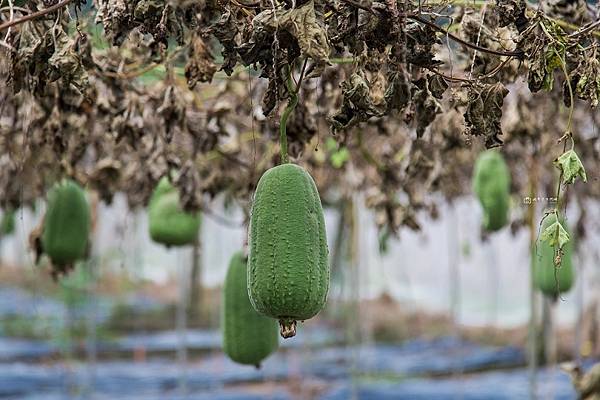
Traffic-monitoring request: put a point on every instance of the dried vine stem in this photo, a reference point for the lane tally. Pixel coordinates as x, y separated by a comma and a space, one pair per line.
418, 18
473, 46
35, 15
585, 29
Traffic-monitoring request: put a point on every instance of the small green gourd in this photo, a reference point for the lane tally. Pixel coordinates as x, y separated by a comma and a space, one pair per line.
248, 337
7, 225
288, 270
491, 184
545, 274
65, 236
168, 223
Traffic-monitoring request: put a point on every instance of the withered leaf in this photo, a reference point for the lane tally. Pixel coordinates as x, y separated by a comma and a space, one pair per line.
225, 30
200, 66
302, 24
511, 12
586, 80
437, 85
189, 183
484, 111
425, 105
67, 62
172, 110
116, 18
357, 105
420, 41
398, 93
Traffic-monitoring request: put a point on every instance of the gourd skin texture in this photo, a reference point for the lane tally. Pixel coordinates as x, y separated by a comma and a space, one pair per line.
288, 271
491, 184
248, 337
543, 259
66, 224
169, 224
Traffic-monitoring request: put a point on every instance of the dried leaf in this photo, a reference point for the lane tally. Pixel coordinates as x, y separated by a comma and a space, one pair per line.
303, 25
426, 107
357, 104
484, 111
200, 66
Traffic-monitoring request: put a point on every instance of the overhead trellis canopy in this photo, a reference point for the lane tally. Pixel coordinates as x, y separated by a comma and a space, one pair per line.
394, 99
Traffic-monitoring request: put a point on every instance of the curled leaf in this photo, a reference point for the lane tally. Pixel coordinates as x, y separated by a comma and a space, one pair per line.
571, 167
555, 235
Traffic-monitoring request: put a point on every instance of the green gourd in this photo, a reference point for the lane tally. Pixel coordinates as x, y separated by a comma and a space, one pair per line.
168, 223
491, 184
248, 337
544, 269
288, 270
65, 237
7, 225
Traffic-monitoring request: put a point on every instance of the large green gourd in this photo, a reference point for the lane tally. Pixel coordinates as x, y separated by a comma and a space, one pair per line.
288, 271
543, 264
248, 337
491, 184
169, 224
66, 224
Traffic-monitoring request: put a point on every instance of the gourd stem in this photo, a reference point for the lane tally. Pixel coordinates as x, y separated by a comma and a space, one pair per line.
292, 103
287, 327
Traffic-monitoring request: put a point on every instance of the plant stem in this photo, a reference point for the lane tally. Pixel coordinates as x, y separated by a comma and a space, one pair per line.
341, 60
563, 64
530, 218
34, 15
556, 211
585, 29
292, 103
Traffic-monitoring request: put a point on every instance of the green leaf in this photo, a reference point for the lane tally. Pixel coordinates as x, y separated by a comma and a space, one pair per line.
552, 62
555, 235
331, 144
339, 158
571, 167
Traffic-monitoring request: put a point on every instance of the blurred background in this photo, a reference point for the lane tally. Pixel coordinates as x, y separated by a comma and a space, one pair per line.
438, 314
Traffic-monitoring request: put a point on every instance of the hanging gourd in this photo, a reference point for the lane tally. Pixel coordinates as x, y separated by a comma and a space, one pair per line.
7, 224
66, 227
288, 270
548, 278
168, 223
491, 184
248, 337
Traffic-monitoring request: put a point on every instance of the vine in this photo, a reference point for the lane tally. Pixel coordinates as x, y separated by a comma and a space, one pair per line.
569, 165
